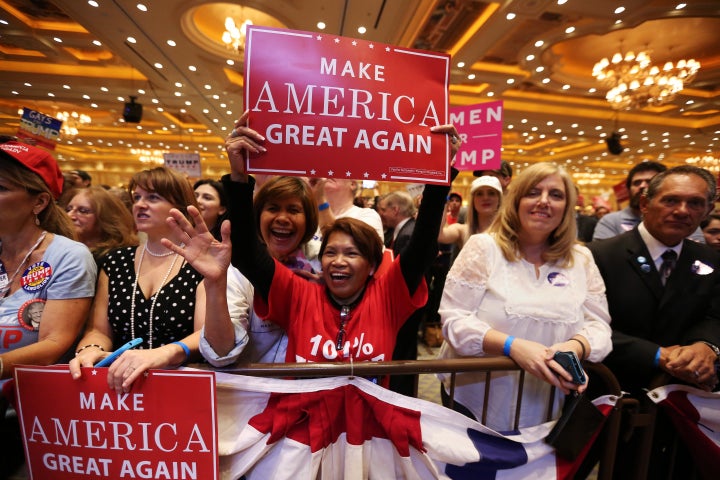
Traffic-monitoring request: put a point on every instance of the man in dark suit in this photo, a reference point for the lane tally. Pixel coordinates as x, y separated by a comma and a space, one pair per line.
397, 211
664, 318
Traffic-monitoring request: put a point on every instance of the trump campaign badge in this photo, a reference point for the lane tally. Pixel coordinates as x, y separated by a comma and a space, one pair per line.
36, 276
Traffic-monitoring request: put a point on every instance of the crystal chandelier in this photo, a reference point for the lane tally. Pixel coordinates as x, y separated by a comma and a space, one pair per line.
234, 37
634, 82
71, 121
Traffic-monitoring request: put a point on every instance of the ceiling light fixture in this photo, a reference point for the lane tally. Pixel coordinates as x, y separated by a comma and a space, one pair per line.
635, 83
71, 121
234, 37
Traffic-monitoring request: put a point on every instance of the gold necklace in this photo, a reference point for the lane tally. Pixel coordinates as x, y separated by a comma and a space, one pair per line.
154, 298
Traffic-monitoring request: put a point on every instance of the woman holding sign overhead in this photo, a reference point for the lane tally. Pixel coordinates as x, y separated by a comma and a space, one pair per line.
353, 316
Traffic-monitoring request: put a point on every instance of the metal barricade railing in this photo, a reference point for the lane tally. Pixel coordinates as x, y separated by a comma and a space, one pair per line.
607, 441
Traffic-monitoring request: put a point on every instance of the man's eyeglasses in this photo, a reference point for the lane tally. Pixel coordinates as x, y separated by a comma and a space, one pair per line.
80, 210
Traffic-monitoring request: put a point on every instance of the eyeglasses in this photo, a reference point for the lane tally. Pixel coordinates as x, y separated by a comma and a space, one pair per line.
80, 210
344, 317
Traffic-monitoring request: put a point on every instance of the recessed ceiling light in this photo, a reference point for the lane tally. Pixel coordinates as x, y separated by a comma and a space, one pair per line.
57, 39
461, 64
141, 91
619, 10
86, 97
66, 87
362, 30
188, 102
230, 61
530, 58
104, 89
171, 43
141, 7
93, 3
570, 30
510, 81
155, 101
490, 94
131, 40
97, 43
50, 94
192, 68
321, 25
94, 105
539, 43
178, 94
566, 87
510, 16
471, 76
592, 90
208, 87
178, 84
680, 6
539, 69
158, 65
4, 22
120, 99
546, 80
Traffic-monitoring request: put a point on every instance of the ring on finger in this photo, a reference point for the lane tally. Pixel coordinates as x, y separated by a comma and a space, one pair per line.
234, 133
696, 373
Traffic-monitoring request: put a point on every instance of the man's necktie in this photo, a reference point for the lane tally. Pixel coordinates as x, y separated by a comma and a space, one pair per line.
669, 259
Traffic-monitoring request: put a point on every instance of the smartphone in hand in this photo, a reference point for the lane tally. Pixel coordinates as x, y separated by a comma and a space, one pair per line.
570, 362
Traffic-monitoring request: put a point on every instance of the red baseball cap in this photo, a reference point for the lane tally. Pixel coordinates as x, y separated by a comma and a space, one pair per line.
38, 161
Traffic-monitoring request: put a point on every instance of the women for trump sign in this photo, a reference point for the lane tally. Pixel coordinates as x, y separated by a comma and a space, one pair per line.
338, 107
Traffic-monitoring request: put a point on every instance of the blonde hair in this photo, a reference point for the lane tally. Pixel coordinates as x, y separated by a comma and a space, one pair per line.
506, 226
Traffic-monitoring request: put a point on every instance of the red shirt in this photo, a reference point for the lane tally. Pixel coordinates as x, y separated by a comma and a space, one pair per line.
312, 322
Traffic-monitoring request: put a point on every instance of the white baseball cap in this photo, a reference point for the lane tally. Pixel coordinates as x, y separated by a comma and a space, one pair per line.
486, 181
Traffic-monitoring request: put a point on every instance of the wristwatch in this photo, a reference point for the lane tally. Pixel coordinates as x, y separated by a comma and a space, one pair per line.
714, 348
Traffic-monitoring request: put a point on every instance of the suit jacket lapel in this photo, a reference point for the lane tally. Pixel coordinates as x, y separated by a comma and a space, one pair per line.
641, 261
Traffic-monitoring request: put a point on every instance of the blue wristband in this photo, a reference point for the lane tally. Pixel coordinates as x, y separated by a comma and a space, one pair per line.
323, 206
656, 362
185, 348
508, 343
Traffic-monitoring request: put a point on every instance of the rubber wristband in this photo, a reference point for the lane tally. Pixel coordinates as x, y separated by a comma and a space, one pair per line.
656, 362
508, 343
582, 345
323, 206
185, 348
88, 346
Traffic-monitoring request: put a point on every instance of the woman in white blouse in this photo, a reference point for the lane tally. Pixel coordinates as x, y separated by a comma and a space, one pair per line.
525, 289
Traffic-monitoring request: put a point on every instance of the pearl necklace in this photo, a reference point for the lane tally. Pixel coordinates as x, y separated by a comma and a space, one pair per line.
6, 288
166, 254
154, 298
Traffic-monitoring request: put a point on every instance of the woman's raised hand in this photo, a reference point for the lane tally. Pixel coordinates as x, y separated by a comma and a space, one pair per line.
241, 141
206, 255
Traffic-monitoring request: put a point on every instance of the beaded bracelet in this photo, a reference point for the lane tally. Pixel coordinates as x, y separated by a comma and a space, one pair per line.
88, 346
582, 345
185, 348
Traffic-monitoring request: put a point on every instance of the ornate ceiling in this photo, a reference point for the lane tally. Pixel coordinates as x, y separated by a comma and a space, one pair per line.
535, 55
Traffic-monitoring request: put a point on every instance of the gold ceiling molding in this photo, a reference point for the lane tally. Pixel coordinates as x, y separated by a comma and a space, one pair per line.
7, 50
470, 32
234, 77
115, 71
62, 26
471, 89
89, 55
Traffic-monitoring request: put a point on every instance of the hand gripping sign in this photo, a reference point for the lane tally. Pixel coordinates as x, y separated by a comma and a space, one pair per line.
165, 427
338, 107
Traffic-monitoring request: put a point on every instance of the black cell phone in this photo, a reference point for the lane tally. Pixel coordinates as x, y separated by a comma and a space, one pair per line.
570, 362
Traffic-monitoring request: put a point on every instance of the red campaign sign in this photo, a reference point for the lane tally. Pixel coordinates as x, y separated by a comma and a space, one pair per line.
165, 427
480, 127
331, 106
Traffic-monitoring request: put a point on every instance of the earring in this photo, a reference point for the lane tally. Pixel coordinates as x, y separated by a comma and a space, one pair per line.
37, 220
